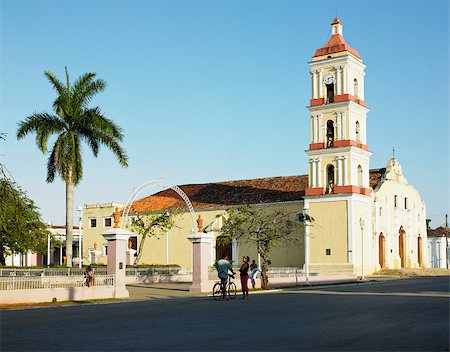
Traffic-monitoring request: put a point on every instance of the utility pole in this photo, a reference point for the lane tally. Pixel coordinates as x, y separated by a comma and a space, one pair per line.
446, 239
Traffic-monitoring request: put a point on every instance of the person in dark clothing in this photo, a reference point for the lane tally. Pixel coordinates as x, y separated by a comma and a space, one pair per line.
244, 276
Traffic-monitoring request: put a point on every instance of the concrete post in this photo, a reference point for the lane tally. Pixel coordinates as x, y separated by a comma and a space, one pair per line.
116, 264
201, 260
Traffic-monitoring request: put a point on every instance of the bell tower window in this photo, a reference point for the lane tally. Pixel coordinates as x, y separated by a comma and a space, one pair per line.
357, 130
330, 134
360, 176
355, 88
330, 179
330, 93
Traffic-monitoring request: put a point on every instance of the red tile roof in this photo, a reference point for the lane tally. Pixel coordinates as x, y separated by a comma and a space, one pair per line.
336, 44
220, 194
441, 231
336, 21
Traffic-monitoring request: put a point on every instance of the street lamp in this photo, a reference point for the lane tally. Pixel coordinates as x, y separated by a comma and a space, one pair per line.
304, 216
80, 217
361, 223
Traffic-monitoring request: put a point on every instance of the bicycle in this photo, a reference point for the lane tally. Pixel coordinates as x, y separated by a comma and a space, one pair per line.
230, 289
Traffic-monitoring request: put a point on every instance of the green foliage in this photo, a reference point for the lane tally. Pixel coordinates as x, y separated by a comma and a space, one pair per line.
263, 226
152, 224
72, 123
21, 228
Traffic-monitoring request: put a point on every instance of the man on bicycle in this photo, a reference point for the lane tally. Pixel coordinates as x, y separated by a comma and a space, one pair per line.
223, 266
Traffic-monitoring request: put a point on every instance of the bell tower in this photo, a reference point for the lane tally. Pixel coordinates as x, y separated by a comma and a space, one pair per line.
338, 154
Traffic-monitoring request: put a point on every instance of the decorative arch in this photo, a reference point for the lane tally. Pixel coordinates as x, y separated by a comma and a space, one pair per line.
355, 88
153, 183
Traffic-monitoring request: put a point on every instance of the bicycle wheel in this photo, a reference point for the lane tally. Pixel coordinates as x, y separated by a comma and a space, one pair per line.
232, 290
217, 291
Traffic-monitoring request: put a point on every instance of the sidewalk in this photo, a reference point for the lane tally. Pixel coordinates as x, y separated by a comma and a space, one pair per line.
181, 289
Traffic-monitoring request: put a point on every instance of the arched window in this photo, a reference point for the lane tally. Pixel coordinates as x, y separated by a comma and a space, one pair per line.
330, 93
355, 88
330, 133
360, 176
330, 179
357, 129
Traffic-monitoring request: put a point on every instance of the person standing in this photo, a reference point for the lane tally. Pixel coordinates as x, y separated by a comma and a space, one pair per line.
89, 276
244, 276
253, 271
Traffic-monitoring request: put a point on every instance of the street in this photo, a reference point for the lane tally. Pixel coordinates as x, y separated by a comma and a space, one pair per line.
392, 315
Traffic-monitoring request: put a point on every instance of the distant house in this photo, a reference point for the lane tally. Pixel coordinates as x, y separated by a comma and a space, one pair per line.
437, 243
56, 254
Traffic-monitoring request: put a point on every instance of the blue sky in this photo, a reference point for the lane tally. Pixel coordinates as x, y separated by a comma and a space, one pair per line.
216, 90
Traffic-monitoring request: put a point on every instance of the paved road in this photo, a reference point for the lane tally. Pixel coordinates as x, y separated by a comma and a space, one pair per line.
408, 315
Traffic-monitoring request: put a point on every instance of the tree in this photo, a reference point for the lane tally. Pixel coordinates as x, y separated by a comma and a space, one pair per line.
261, 226
72, 123
151, 224
21, 228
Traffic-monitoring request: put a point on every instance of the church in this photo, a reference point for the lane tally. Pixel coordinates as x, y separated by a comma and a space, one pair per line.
364, 219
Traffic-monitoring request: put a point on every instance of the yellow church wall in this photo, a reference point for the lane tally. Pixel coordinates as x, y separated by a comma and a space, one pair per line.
284, 254
180, 248
328, 231
361, 209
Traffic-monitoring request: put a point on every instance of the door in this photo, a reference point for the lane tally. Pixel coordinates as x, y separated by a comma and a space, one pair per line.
381, 250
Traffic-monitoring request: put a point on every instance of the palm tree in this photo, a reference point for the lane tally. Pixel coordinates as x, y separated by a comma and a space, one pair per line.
72, 123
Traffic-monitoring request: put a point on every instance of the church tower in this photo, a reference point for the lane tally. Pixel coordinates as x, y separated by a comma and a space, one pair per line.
338, 194
338, 155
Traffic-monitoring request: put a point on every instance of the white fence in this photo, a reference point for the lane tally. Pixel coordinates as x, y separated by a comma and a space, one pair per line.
8, 272
28, 282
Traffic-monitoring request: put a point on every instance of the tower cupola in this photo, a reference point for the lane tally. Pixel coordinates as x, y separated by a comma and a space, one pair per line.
336, 27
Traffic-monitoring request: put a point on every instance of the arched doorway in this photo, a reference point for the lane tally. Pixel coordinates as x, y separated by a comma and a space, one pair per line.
419, 251
401, 247
221, 250
381, 250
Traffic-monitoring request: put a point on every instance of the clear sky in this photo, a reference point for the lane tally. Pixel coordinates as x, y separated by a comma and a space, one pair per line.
216, 90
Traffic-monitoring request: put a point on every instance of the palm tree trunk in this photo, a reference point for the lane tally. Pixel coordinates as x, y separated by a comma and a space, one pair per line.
69, 218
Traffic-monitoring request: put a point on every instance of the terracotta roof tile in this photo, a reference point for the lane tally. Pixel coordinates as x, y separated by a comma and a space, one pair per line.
336, 44
220, 194
438, 232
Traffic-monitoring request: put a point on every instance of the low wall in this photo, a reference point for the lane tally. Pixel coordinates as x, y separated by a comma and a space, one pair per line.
152, 279
61, 294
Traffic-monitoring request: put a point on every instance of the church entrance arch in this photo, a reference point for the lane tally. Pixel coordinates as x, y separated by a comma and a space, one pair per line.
153, 183
402, 247
381, 250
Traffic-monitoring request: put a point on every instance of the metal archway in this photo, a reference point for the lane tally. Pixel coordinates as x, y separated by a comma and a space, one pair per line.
152, 183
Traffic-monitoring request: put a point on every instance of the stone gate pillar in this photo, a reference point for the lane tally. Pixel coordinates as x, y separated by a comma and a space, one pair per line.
116, 264
201, 260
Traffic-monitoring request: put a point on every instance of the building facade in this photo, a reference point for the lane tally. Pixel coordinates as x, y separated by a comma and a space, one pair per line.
364, 219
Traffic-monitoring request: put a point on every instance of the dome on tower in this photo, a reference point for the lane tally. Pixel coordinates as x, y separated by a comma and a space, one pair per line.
337, 43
